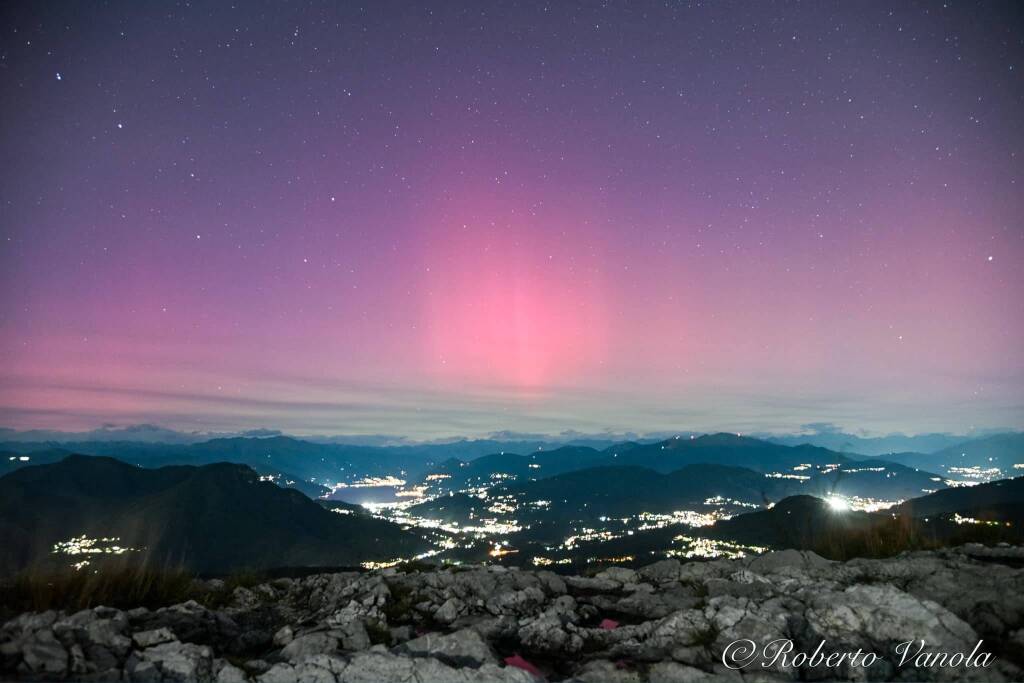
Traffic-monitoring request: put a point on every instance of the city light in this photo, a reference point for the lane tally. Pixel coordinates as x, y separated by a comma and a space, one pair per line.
838, 504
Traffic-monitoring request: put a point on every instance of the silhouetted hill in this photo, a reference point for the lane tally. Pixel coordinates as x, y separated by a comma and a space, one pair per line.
214, 518
795, 522
624, 490
10, 461
811, 523
1000, 496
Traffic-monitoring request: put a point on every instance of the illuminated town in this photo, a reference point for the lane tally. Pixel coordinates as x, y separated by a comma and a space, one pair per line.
706, 548
488, 517
83, 545
960, 519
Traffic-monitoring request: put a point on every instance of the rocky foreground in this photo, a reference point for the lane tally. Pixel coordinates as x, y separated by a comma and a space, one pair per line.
665, 622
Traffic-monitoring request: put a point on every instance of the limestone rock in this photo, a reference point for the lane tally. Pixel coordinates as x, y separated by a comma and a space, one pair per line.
44, 654
175, 662
672, 624
310, 644
144, 639
620, 575
449, 611
461, 648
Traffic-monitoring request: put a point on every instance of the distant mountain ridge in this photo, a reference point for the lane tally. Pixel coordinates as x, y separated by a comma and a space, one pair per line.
842, 442
1004, 452
816, 434
149, 433
791, 462
321, 463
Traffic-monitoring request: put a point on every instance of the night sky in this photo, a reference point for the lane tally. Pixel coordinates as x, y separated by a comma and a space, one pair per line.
452, 219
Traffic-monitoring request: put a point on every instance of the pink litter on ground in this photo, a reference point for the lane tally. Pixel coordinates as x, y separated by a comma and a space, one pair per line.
519, 662
608, 624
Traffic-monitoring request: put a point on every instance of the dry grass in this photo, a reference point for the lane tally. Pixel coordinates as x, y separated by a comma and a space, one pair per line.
124, 587
892, 536
70, 590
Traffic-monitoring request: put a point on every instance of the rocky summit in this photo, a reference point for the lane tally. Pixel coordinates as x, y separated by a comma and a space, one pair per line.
741, 619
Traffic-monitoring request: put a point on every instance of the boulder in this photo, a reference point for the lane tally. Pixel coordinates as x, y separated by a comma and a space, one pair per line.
43, 654
517, 602
284, 635
230, 673
373, 667
584, 585
462, 648
621, 575
673, 672
603, 671
664, 571
303, 646
191, 622
449, 611
787, 559
144, 639
279, 673
32, 621
879, 617
175, 662
320, 669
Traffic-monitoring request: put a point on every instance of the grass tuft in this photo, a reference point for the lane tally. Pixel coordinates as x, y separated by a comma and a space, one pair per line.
124, 588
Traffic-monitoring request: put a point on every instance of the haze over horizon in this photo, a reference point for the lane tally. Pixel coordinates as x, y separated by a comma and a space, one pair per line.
817, 433
431, 221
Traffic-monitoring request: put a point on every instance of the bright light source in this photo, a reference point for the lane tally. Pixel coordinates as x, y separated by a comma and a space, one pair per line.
837, 504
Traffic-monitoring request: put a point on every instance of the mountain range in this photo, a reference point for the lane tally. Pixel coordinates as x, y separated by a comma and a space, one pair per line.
803, 469
223, 504
324, 463
999, 455
816, 434
583, 495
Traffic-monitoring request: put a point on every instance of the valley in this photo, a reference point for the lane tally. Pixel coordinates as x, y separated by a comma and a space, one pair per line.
565, 506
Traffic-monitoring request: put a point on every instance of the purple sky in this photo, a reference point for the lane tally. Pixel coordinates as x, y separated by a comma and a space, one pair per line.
454, 219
